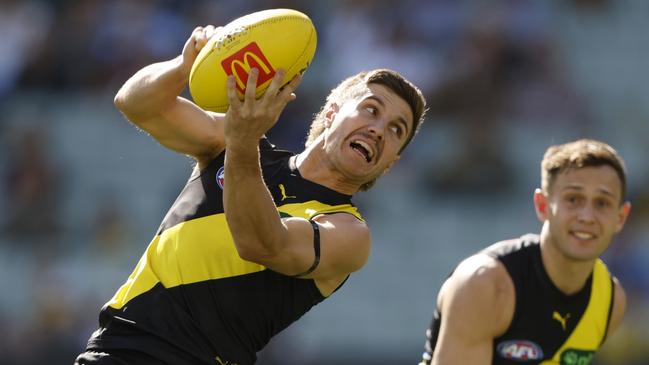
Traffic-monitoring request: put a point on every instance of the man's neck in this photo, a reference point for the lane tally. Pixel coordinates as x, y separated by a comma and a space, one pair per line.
314, 166
567, 274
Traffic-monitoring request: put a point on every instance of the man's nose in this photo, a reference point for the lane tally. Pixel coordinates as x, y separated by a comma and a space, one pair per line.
586, 214
377, 129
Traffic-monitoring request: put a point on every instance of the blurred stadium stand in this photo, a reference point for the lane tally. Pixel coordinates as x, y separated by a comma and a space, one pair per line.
83, 191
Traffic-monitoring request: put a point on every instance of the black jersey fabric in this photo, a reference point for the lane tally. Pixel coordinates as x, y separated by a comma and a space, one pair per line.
548, 326
191, 299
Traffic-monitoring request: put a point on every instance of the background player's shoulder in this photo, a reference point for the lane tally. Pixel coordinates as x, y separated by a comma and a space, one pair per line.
509, 246
267, 40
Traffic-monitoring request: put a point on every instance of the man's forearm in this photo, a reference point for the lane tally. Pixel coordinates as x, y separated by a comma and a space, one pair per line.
152, 89
250, 211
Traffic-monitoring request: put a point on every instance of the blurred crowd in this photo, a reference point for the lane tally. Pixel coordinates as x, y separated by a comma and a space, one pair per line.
82, 191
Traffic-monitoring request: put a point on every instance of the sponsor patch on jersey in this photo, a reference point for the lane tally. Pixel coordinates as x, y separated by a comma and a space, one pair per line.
220, 177
519, 350
576, 357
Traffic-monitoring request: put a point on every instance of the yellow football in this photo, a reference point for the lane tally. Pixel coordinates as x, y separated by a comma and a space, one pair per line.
267, 40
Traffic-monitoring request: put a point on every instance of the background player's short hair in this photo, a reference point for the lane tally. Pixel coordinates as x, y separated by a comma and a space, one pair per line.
579, 154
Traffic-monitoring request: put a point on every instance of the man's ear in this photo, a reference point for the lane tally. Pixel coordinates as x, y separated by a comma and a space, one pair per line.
330, 114
541, 205
623, 214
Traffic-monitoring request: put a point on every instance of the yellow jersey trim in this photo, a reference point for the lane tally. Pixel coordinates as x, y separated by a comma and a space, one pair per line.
591, 329
207, 252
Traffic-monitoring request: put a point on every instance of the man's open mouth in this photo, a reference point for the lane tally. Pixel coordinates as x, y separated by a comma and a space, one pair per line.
364, 148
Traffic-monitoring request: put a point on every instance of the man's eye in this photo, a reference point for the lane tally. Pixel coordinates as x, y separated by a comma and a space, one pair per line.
397, 130
569, 199
603, 203
371, 110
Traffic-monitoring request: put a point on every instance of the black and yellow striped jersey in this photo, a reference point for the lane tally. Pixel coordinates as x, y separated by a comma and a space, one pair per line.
191, 298
548, 327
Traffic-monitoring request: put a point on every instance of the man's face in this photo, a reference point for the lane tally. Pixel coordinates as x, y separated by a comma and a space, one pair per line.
583, 211
364, 135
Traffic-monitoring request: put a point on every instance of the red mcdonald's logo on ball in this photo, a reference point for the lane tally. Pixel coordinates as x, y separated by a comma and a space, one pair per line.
240, 63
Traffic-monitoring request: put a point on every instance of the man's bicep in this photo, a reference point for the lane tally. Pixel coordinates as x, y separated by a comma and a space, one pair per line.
471, 306
187, 129
463, 337
327, 246
345, 244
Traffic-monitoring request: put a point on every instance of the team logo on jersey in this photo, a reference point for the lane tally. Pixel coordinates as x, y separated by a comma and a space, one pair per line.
519, 350
220, 177
576, 357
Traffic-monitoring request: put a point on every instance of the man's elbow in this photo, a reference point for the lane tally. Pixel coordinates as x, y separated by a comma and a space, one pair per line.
253, 253
127, 107
256, 251
245, 253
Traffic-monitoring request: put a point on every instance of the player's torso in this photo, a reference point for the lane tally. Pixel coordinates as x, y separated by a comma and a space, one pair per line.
192, 289
197, 220
549, 327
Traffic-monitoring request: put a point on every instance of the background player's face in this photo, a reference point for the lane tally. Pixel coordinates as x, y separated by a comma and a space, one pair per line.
364, 135
583, 211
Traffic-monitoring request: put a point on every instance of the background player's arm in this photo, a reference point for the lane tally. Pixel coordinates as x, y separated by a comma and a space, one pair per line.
150, 100
619, 307
476, 305
284, 245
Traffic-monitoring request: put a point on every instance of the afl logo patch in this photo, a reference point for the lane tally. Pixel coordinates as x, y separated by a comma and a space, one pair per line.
519, 350
220, 177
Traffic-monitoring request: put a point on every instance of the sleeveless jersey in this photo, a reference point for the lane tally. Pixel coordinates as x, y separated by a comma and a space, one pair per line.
548, 327
191, 299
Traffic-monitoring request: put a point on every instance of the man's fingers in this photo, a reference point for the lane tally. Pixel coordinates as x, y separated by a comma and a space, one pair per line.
199, 38
231, 86
288, 92
251, 85
283, 94
275, 84
209, 31
201, 35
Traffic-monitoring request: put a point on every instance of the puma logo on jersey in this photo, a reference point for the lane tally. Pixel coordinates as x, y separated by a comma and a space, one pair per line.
561, 319
282, 190
223, 362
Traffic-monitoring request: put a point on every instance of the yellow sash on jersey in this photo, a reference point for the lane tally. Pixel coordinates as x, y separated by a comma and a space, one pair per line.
587, 337
202, 249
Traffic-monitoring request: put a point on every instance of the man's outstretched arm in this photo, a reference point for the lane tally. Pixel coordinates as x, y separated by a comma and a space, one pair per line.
150, 100
260, 235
